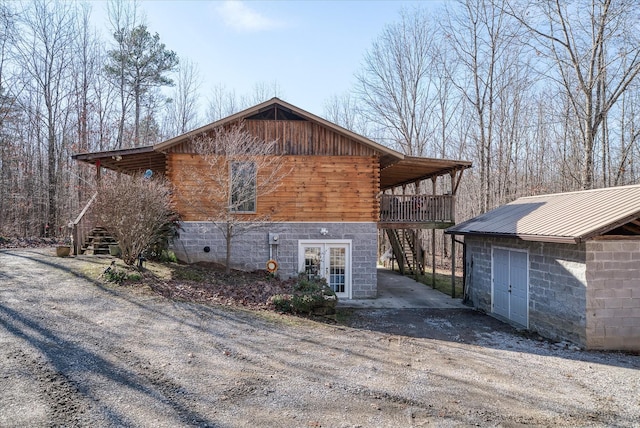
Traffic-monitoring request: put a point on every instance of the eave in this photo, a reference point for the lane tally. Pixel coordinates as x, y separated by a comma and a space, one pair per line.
128, 161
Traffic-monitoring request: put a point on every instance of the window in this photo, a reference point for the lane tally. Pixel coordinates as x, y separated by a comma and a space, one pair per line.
243, 187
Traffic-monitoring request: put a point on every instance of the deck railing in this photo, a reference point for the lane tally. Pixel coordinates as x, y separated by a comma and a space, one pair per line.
82, 225
417, 208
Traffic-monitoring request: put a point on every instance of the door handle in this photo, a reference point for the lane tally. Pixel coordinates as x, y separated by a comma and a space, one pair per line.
509, 288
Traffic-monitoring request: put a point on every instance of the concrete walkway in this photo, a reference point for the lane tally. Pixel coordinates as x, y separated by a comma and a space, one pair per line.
396, 292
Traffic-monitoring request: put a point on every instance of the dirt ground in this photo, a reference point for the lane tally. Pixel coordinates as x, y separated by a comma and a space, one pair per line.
75, 351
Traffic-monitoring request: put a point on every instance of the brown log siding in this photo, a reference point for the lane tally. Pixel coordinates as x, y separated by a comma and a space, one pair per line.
318, 189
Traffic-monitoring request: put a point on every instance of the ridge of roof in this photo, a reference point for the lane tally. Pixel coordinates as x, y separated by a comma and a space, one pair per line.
575, 192
275, 100
559, 217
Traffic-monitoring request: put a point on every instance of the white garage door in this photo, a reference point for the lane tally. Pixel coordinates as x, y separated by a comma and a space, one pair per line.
510, 285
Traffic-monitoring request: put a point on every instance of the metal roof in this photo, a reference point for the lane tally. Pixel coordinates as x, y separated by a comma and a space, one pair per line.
562, 217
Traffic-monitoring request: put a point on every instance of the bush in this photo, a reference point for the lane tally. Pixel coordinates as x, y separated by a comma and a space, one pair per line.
281, 303
138, 212
118, 276
308, 296
163, 255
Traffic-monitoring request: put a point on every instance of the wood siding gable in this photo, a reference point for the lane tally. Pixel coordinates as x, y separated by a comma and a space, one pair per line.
295, 138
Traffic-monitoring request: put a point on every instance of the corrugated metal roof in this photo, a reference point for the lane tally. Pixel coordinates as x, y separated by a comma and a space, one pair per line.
561, 217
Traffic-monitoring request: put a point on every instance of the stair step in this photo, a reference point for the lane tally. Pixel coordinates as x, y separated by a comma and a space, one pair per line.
98, 242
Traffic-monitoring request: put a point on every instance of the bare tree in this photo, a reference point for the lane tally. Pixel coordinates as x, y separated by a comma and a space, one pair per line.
123, 17
8, 117
137, 210
45, 55
626, 156
182, 112
481, 36
234, 169
262, 91
595, 48
344, 110
224, 102
86, 64
394, 85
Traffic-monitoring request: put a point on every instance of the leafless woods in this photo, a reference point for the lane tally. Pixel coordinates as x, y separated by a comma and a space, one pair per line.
542, 96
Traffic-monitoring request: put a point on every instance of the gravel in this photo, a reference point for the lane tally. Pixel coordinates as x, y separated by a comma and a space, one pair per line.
75, 351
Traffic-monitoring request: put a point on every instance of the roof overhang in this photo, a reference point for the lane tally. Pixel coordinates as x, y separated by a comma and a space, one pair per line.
521, 237
127, 161
413, 169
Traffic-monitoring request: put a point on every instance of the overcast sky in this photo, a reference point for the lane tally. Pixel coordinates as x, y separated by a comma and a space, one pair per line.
310, 48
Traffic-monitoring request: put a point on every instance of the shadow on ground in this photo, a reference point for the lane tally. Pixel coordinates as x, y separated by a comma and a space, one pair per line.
472, 327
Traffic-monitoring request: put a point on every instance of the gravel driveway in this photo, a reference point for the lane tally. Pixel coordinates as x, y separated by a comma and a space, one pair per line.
76, 352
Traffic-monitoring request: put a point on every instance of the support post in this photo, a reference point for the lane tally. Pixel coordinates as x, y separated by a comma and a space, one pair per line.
453, 266
433, 242
98, 172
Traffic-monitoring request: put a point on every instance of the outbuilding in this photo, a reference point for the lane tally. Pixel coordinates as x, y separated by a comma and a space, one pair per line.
565, 265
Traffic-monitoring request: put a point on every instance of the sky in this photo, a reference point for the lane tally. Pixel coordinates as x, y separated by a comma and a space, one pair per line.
311, 49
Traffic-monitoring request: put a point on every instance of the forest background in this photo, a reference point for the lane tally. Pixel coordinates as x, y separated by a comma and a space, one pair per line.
542, 97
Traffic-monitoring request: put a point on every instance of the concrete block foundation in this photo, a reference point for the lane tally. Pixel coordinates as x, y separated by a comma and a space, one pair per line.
251, 250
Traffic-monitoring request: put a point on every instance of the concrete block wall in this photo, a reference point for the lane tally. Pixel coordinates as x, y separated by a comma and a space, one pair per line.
557, 284
250, 251
479, 277
613, 295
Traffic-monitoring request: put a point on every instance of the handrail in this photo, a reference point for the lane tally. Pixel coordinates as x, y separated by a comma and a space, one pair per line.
80, 228
86, 207
417, 208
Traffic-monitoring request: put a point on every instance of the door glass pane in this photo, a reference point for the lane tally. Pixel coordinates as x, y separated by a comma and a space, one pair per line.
312, 258
337, 259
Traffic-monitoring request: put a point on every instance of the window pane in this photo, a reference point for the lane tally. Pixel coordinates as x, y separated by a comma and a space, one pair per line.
337, 269
312, 257
243, 186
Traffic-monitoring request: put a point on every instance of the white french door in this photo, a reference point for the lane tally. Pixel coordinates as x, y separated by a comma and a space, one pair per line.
328, 259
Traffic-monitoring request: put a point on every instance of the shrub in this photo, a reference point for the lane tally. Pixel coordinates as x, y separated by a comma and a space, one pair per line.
308, 296
118, 275
163, 255
281, 303
138, 212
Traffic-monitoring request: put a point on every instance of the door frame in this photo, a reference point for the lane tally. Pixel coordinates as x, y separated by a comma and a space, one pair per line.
326, 244
510, 250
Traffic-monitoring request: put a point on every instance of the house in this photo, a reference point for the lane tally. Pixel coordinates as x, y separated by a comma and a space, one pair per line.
566, 265
325, 213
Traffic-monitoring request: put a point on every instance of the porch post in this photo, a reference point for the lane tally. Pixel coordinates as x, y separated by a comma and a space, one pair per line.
433, 242
453, 266
98, 172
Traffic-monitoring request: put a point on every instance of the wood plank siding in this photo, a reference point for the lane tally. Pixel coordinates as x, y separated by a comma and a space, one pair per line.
317, 189
298, 138
331, 178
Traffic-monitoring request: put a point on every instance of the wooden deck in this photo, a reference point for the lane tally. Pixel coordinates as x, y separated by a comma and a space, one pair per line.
416, 211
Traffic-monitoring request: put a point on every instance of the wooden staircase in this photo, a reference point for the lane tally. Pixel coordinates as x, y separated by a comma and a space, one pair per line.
407, 251
98, 241
88, 238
